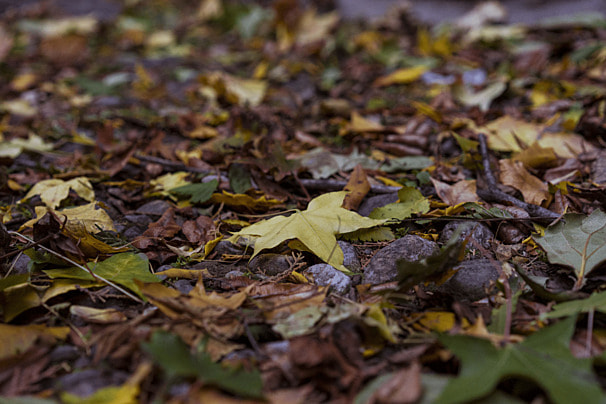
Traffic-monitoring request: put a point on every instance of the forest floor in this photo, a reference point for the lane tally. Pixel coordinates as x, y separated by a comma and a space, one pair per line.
224, 201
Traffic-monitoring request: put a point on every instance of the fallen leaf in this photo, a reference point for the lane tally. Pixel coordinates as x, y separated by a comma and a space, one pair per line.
245, 200
462, 191
544, 358
401, 76
514, 174
17, 339
315, 227
175, 358
358, 187
578, 241
123, 269
410, 201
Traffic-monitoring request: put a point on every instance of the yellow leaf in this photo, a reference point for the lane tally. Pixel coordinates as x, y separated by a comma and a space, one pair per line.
360, 124
98, 316
17, 339
236, 90
52, 192
537, 157
509, 134
567, 145
90, 216
315, 227
244, 200
313, 28
125, 394
533, 189
184, 273
401, 76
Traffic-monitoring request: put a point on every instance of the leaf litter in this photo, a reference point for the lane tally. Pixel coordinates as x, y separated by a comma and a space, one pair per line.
170, 172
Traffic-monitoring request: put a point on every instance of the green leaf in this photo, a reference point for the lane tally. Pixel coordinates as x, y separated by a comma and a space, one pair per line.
595, 302
578, 242
406, 163
543, 358
122, 269
173, 355
411, 201
239, 178
197, 193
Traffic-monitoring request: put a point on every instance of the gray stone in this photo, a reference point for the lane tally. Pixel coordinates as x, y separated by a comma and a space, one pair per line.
369, 204
472, 280
481, 235
350, 258
157, 207
327, 275
227, 247
234, 274
383, 265
269, 264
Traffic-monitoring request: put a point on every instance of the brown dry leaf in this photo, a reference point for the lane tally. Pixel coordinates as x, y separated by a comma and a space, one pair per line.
65, 50
515, 175
280, 300
165, 227
200, 230
462, 191
358, 187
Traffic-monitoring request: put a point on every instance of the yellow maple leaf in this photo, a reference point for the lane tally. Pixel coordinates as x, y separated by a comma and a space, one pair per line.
53, 191
315, 227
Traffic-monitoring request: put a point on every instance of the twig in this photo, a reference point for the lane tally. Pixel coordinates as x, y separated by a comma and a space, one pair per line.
314, 184
493, 194
589, 337
70, 261
336, 185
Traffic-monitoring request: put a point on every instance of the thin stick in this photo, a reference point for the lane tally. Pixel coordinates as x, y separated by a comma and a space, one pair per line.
88, 271
589, 336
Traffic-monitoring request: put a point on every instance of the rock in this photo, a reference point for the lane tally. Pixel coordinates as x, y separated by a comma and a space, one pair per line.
327, 275
269, 264
157, 207
383, 266
234, 274
350, 258
227, 247
183, 285
481, 235
472, 280
368, 205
